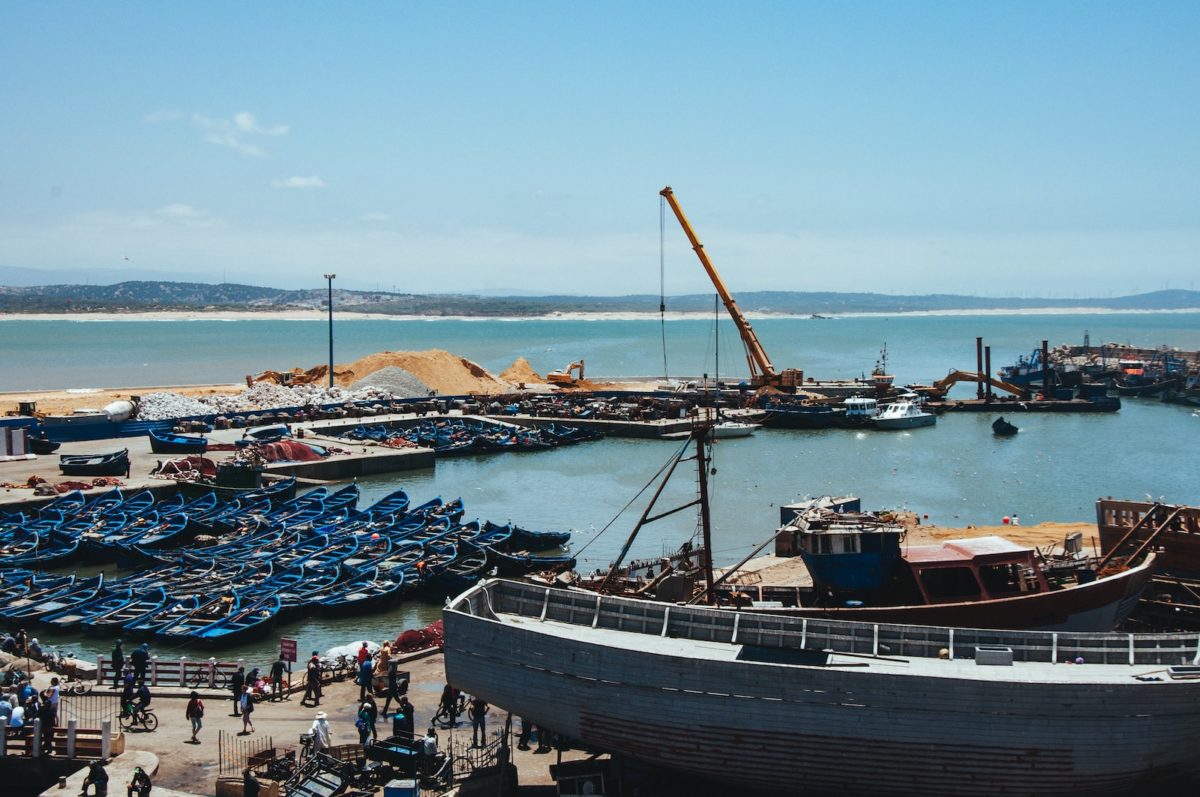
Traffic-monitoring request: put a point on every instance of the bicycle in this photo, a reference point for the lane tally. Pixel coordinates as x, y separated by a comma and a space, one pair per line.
448, 718
199, 678
139, 716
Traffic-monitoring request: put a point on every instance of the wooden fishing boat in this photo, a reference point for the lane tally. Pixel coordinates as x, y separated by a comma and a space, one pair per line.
111, 617
530, 540
237, 626
372, 592
112, 464
43, 445
170, 443
73, 616
868, 708
208, 613
32, 606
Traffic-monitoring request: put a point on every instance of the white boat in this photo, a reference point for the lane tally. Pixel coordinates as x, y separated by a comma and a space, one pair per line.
904, 414
792, 705
727, 429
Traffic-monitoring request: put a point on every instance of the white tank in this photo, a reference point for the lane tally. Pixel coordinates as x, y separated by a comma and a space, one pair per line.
119, 411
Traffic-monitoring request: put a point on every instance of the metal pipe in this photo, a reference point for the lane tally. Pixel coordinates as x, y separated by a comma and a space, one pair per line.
987, 365
979, 366
329, 279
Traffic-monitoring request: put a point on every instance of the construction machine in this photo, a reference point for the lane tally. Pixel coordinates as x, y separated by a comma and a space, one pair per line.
940, 388
564, 377
762, 372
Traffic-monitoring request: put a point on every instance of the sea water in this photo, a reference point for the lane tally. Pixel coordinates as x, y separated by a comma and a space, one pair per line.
956, 472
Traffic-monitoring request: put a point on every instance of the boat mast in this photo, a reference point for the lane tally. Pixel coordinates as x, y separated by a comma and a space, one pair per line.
701, 431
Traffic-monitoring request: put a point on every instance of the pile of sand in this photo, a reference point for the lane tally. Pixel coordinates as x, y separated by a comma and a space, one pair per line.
446, 373
1038, 536
521, 372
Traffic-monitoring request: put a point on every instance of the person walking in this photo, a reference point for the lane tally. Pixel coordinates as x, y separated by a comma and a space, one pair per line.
402, 720
478, 711
363, 724
277, 670
237, 685
195, 713
140, 658
53, 694
312, 682
366, 674
45, 713
395, 689
373, 710
247, 709
320, 733
118, 664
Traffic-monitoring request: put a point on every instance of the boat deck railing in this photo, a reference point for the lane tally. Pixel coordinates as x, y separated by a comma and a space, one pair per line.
499, 597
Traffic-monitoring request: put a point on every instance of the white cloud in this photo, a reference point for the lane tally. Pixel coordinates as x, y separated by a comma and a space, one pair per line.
230, 133
300, 182
377, 217
246, 123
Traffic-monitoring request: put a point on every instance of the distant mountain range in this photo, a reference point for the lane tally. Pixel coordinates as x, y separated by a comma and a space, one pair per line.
146, 296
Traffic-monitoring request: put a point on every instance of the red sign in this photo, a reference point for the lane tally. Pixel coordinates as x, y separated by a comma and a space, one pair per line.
287, 649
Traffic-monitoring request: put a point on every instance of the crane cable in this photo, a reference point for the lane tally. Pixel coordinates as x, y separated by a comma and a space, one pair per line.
662, 278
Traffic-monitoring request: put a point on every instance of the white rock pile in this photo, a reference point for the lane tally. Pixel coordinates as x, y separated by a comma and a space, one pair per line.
268, 395
394, 380
164, 406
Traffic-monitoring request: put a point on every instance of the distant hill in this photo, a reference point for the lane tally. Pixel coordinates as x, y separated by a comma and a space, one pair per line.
146, 295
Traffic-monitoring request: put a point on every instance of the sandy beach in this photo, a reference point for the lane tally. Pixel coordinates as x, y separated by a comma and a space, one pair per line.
321, 315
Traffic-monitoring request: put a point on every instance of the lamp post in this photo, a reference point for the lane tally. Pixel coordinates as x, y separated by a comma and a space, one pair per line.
329, 278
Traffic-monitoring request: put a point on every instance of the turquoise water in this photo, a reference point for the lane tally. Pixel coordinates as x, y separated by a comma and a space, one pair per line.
956, 472
81, 354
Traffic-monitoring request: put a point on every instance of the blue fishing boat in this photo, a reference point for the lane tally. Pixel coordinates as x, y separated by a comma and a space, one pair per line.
530, 540
115, 463
374, 592
170, 443
73, 616
31, 606
110, 616
237, 626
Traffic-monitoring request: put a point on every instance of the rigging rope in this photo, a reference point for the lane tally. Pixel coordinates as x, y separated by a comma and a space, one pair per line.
646, 486
662, 278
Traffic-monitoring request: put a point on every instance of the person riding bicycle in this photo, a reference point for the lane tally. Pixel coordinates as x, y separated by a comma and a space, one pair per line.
132, 709
450, 702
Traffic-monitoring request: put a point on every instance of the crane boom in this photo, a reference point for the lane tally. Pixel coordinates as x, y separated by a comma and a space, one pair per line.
761, 370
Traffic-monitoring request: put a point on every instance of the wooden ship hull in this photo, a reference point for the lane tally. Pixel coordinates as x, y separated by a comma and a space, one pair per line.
1101, 605
759, 703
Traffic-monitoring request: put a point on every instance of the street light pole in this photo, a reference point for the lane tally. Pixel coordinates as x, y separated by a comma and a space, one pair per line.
329, 278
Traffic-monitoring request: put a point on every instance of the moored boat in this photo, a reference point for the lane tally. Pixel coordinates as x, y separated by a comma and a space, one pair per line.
903, 414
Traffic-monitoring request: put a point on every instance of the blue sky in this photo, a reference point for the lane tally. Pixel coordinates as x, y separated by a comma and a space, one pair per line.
1006, 148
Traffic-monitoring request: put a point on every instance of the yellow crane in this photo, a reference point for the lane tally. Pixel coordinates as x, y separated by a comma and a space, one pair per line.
762, 372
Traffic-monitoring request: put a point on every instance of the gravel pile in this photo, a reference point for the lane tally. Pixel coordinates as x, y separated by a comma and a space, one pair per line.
394, 380
164, 406
268, 395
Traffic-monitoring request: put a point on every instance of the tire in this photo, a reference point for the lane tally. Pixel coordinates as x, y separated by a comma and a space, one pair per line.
151, 722
258, 697
126, 722
80, 688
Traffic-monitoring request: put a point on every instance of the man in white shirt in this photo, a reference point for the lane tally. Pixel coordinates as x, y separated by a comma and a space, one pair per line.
320, 732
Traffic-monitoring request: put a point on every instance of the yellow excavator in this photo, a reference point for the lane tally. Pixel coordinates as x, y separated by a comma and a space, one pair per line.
762, 372
940, 388
564, 377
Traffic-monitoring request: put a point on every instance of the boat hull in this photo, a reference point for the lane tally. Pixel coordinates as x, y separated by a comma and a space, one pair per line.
793, 728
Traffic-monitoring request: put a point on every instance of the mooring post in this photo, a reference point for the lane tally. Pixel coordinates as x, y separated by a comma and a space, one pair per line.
979, 366
35, 751
71, 725
154, 670
212, 672
3, 736
182, 670
105, 739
